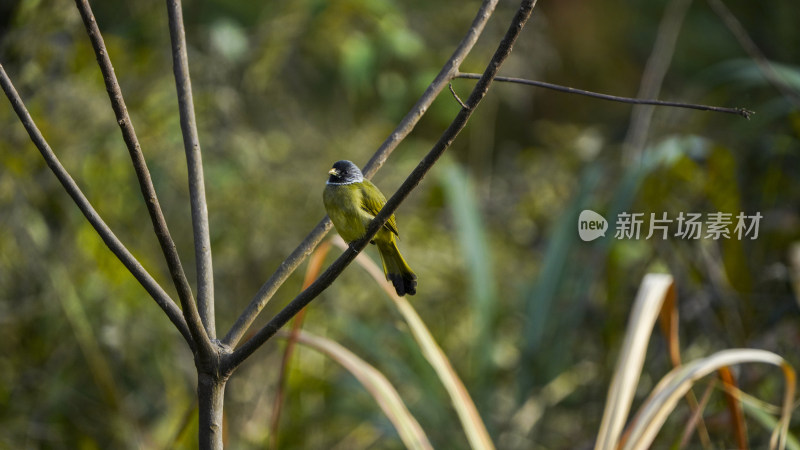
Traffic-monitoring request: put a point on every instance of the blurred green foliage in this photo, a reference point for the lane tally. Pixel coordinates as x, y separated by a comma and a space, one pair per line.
284, 88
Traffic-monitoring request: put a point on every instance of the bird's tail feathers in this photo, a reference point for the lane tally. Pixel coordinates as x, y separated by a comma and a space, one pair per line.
396, 269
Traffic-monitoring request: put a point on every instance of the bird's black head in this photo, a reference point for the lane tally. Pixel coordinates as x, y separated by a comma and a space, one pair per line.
345, 172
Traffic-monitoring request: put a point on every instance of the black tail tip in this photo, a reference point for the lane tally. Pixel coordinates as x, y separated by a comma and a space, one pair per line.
403, 284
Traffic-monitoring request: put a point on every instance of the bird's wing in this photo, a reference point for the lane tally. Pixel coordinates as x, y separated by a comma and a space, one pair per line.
372, 200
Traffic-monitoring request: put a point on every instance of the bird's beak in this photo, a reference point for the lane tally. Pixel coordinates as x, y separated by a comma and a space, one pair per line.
334, 172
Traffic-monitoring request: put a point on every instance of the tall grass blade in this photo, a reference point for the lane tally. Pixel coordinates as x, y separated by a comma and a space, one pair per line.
471, 421
668, 320
654, 412
376, 384
473, 241
769, 422
653, 292
312, 271
734, 407
555, 275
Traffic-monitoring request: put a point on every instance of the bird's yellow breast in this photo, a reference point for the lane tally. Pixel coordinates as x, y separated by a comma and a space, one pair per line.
343, 203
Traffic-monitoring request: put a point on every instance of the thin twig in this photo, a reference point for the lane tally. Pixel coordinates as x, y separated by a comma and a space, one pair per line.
653, 77
750, 47
635, 101
146, 184
114, 244
299, 254
231, 361
453, 91
194, 161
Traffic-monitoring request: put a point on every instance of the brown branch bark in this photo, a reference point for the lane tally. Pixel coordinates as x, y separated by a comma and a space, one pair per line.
114, 244
145, 183
194, 161
288, 266
232, 361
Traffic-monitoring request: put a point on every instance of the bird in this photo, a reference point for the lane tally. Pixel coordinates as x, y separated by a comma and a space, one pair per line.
352, 202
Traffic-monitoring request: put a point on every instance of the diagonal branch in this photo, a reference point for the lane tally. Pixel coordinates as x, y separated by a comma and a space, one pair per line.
653, 77
145, 183
334, 270
194, 161
402, 130
114, 244
746, 113
763, 64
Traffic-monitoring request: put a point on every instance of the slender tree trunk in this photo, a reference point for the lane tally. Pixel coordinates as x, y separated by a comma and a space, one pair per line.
210, 398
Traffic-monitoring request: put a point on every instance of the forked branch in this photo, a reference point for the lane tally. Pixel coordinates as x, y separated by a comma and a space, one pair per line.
145, 182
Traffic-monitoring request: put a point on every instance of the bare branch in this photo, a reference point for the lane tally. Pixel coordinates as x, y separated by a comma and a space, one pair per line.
739, 32
438, 84
197, 192
231, 361
114, 244
453, 91
635, 101
288, 266
145, 183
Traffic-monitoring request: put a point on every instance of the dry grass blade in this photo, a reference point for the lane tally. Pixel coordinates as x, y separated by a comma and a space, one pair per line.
696, 418
654, 291
677, 382
378, 386
313, 270
668, 321
473, 425
794, 269
734, 406
763, 414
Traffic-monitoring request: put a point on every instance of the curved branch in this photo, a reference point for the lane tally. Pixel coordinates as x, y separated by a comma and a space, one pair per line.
288, 266
194, 161
145, 183
231, 361
746, 113
114, 244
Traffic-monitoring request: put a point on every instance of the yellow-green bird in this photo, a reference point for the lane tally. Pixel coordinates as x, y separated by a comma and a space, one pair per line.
352, 202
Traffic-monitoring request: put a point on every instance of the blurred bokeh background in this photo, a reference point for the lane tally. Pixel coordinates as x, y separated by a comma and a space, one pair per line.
530, 316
